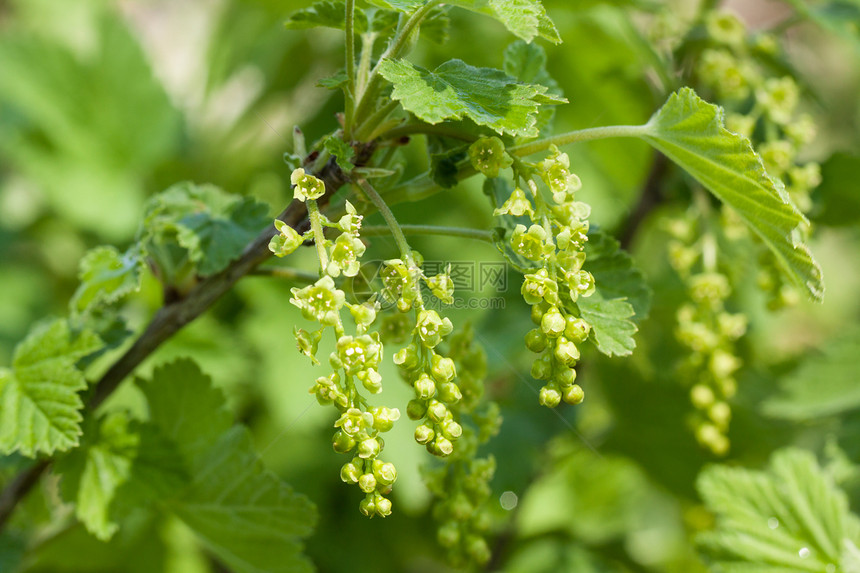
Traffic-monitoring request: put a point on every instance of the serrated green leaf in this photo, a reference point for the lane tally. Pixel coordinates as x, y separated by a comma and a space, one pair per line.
790, 517
325, 14
106, 276
456, 90
525, 19
615, 276
179, 396
211, 225
341, 151
117, 455
398, 5
691, 132
824, 384
527, 63
39, 396
612, 329
249, 518
334, 82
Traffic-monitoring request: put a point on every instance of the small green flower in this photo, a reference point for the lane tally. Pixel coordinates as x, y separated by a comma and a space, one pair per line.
432, 328
359, 353
308, 342
320, 301
538, 287
351, 221
488, 156
286, 242
531, 243
442, 287
517, 204
779, 98
306, 186
354, 422
555, 171
384, 418
726, 28
345, 253
549, 396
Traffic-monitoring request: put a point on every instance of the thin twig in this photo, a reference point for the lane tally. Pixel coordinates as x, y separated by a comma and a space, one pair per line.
169, 320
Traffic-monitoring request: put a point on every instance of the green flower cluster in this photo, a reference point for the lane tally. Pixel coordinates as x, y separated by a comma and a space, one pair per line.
343, 253
709, 333
431, 374
764, 109
461, 484
555, 241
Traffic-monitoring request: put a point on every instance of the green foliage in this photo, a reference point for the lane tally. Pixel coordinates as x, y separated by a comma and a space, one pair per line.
106, 276
456, 90
213, 227
791, 517
40, 394
525, 19
691, 132
824, 384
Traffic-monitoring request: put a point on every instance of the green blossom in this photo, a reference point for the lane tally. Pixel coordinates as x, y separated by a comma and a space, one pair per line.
517, 205
344, 255
532, 243
431, 328
726, 28
286, 242
488, 156
306, 186
321, 301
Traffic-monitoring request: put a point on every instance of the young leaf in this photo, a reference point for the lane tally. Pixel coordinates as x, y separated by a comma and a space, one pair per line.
525, 19
790, 517
691, 132
612, 329
341, 151
823, 385
249, 518
456, 90
39, 401
106, 276
527, 63
325, 14
213, 226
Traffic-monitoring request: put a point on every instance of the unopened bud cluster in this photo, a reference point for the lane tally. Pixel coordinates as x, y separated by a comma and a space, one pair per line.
554, 241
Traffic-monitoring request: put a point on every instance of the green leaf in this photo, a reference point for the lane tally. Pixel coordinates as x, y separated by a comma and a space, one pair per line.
456, 90
527, 63
691, 132
213, 226
341, 151
825, 384
107, 276
326, 14
615, 277
398, 5
524, 18
790, 517
115, 454
180, 398
612, 329
39, 397
245, 514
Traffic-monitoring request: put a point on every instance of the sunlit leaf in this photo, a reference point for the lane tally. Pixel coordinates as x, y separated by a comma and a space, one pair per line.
106, 276
691, 132
40, 404
790, 517
456, 90
525, 19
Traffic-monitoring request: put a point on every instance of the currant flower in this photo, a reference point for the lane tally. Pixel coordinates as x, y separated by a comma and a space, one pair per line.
321, 301
517, 204
306, 186
532, 243
286, 242
488, 156
345, 253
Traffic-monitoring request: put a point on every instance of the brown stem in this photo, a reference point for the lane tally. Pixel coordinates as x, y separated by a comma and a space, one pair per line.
169, 319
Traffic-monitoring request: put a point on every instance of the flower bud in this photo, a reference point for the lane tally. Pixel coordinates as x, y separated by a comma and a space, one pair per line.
535, 339
384, 418
552, 324
566, 351
448, 534
576, 329
286, 242
443, 369
452, 430
424, 434
367, 483
350, 472
406, 357
342, 442
383, 506
385, 472
368, 448
367, 506
549, 397
441, 447
542, 368
488, 156
424, 386
436, 411
450, 393
574, 395
416, 409
565, 377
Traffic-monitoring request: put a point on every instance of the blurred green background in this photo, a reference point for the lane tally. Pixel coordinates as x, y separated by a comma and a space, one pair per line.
104, 103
